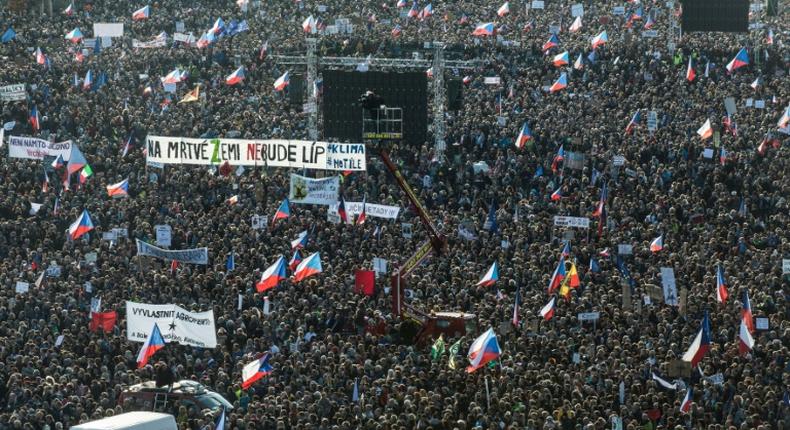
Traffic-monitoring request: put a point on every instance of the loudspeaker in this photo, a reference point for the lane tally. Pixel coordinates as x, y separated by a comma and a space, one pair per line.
296, 90
454, 93
715, 15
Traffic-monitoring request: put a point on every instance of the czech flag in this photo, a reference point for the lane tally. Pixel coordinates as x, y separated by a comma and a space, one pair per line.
551, 43
413, 12
523, 136
746, 341
548, 311
483, 350
467, 80
141, 13
121, 189
594, 267
705, 131
364, 214
579, 63
88, 81
769, 38
558, 276
396, 31
206, 40
401, 3
284, 211
690, 72
256, 370
34, 119
746, 312
300, 242
154, 342
218, 27
561, 59
45, 185
650, 22
308, 25
40, 58
281, 82
308, 267
657, 244
235, 77
295, 260
76, 160
485, 29
69, 11
341, 210
721, 286
173, 77
557, 158
74, 35
741, 59
561, 83
756, 83
516, 305
600, 39
490, 277
576, 26
556, 195
427, 11
566, 250
784, 121
272, 276
504, 9
701, 344
634, 122
82, 225
58, 162
685, 406
637, 14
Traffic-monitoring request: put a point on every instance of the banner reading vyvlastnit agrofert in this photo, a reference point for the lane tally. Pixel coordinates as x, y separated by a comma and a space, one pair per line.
175, 323
300, 154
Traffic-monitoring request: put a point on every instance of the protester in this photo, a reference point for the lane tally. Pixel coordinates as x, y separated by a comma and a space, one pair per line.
327, 341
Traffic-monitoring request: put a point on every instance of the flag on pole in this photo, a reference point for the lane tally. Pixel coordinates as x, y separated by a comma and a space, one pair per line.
483, 350
721, 286
255, 370
577, 25
82, 225
706, 131
437, 349
657, 244
516, 305
272, 276
547, 312
741, 59
504, 9
308, 267
490, 277
154, 342
141, 14
283, 212
700, 345
685, 405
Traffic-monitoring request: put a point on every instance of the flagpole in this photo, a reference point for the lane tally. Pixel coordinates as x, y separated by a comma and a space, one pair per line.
488, 395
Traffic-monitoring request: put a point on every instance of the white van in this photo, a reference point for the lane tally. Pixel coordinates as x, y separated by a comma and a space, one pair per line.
132, 421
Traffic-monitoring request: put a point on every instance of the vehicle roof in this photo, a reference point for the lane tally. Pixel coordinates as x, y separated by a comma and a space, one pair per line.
184, 386
130, 420
463, 315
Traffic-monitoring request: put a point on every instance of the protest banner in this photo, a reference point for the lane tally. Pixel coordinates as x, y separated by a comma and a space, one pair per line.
176, 324
194, 256
12, 93
107, 29
304, 190
669, 286
164, 235
570, 221
156, 43
371, 210
299, 154
32, 148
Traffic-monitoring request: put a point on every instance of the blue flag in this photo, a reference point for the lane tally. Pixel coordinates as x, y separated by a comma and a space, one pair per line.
539, 171
230, 263
9, 35
97, 46
491, 224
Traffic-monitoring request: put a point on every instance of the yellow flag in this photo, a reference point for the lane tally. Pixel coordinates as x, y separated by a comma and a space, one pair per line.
191, 96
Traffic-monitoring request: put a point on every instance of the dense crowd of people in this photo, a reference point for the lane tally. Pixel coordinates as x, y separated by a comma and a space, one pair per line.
325, 338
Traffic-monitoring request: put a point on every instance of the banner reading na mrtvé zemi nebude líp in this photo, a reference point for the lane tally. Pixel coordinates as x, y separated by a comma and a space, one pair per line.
300, 154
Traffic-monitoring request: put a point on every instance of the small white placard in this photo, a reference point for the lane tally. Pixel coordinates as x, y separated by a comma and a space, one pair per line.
759, 104
537, 4
618, 10
652, 120
164, 235
405, 229
22, 287
492, 80
379, 265
577, 10
109, 236
749, 102
589, 316
650, 33
259, 222
618, 160
625, 249
785, 266
59, 340
668, 284
180, 26
707, 152
761, 323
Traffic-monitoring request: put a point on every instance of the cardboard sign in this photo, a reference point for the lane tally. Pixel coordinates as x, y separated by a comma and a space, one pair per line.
625, 249
405, 229
537, 4
652, 120
180, 26
761, 323
259, 222
571, 222
618, 160
22, 287
679, 369
164, 235
669, 286
577, 10
589, 316
785, 266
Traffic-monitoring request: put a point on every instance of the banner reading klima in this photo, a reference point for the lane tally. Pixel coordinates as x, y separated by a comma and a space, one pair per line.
300, 154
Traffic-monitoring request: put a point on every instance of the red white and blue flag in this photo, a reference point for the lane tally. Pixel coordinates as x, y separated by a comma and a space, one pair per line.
69, 11
74, 35
504, 9
485, 29
634, 122
82, 225
547, 312
76, 160
341, 210
657, 244
295, 260
523, 136
40, 57
236, 77
491, 276
557, 277
34, 119
308, 267
300, 242
483, 350
577, 25
272, 276
154, 342
562, 59
685, 405
553, 41
721, 286
600, 39
142, 13
746, 312
283, 212
556, 195
282, 82
700, 345
121, 189
741, 59
254, 371
561, 83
